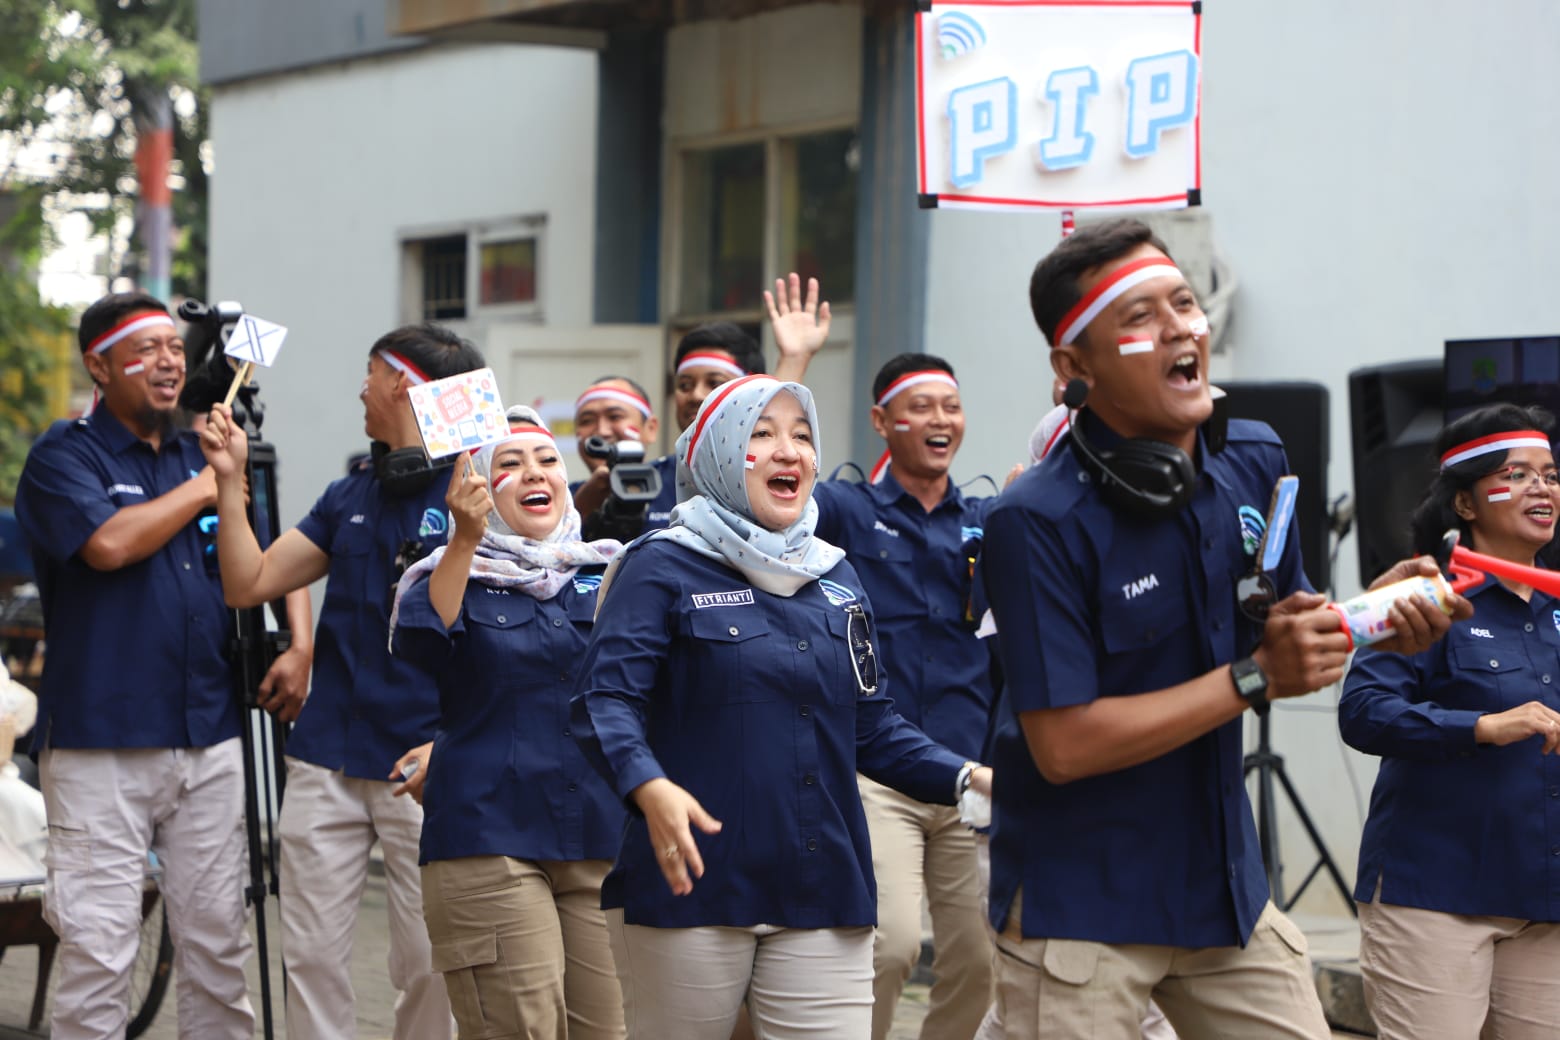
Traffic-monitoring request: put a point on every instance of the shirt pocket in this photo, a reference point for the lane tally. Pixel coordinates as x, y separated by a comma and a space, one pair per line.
733, 659
1494, 677
502, 619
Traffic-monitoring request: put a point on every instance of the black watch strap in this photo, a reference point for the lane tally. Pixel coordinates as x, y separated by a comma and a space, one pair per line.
1251, 683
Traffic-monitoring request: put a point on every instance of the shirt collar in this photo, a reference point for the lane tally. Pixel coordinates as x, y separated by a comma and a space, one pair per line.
888, 491
116, 435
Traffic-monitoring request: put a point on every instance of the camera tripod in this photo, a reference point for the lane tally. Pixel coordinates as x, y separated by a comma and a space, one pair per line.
1269, 765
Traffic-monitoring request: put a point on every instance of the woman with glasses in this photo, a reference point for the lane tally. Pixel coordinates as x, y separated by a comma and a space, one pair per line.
518, 830
730, 693
1459, 872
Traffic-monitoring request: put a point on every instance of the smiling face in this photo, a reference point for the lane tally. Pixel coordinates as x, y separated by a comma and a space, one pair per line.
924, 426
783, 463
1511, 511
142, 375
1145, 356
529, 485
612, 419
696, 382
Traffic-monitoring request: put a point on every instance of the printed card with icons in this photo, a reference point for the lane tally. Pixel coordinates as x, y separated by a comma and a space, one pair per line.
459, 413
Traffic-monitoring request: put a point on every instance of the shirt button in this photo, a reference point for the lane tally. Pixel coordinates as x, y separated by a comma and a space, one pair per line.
733, 630
557, 622
1544, 679
883, 553
1494, 663
937, 612
574, 787
1554, 792
812, 845
186, 565
810, 779
563, 676
567, 733
1555, 851
805, 711
501, 619
802, 645
1528, 627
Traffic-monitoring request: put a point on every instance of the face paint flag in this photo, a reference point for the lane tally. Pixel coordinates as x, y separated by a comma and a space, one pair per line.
900, 426
1135, 345
458, 413
135, 368
752, 460
501, 480
1499, 494
256, 340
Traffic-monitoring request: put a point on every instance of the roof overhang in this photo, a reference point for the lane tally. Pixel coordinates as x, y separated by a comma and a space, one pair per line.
566, 22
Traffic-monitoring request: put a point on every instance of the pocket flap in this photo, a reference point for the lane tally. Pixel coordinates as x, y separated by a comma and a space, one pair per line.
1071, 960
1288, 931
471, 951
727, 626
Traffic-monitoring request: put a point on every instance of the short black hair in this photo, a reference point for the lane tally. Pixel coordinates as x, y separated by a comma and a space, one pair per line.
108, 311
436, 350
723, 335
1435, 514
901, 364
1053, 287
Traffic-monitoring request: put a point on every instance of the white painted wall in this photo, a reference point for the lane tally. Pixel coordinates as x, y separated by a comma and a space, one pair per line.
316, 174
1383, 178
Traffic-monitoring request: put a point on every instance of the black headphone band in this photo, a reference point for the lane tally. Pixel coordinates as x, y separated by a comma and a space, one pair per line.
1138, 475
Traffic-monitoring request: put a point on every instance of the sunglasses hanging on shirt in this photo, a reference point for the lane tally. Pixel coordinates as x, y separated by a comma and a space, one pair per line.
862, 660
1255, 592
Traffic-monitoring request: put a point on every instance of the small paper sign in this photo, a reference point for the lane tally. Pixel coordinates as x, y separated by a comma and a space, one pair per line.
458, 413
256, 340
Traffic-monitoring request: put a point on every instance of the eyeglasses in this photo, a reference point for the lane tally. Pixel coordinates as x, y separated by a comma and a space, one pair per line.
1524, 475
1255, 595
862, 660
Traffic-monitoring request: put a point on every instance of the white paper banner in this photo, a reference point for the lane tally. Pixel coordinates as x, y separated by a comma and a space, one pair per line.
1049, 104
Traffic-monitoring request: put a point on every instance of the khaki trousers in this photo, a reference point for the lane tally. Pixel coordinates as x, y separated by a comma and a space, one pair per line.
106, 809
328, 825
923, 850
799, 983
1069, 989
523, 948
1437, 976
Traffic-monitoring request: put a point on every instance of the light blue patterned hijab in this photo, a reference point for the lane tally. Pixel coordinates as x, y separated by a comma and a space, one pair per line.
714, 517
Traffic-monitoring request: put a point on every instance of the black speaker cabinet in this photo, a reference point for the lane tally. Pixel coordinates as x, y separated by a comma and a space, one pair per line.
1298, 413
1395, 414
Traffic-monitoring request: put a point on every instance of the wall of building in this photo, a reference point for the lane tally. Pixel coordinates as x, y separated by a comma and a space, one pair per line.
320, 173
1382, 178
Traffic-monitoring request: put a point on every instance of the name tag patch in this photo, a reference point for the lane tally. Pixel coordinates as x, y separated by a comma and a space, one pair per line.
127, 489
723, 599
1134, 589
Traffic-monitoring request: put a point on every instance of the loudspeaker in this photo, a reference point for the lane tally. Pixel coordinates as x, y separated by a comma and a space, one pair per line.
1395, 414
1298, 413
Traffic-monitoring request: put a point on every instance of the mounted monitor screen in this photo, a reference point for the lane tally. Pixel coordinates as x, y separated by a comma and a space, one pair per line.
1523, 371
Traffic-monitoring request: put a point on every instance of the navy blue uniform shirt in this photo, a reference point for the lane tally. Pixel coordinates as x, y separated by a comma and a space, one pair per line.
1456, 826
918, 569
137, 656
1091, 602
749, 701
365, 708
506, 777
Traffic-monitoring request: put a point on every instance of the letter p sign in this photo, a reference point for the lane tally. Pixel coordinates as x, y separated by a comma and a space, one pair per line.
983, 122
1161, 95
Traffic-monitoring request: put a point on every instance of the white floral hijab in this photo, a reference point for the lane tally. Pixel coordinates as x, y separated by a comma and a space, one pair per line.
714, 517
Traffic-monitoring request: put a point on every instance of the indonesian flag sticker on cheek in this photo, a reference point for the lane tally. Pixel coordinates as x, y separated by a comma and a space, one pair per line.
503, 478
1500, 494
135, 368
900, 426
752, 460
1135, 345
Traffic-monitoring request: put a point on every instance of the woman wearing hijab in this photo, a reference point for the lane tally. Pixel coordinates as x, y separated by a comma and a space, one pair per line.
1458, 890
518, 830
730, 693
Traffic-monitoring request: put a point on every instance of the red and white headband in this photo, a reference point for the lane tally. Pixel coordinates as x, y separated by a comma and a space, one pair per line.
129, 327
710, 359
1493, 443
712, 405
614, 393
517, 432
417, 376
909, 379
1108, 290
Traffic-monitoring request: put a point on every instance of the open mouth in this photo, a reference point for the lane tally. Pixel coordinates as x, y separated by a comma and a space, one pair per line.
1185, 371
167, 387
536, 501
939, 442
784, 485
1544, 514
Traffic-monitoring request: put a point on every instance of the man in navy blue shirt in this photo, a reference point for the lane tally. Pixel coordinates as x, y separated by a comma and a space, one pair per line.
365, 708
138, 719
1125, 862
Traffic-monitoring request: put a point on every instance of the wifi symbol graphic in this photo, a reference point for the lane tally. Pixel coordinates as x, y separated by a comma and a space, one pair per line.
958, 34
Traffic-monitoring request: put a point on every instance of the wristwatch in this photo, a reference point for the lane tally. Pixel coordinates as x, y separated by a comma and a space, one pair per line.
1251, 684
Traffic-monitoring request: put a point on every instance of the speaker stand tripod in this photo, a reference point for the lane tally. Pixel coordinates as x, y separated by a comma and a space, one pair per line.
1269, 765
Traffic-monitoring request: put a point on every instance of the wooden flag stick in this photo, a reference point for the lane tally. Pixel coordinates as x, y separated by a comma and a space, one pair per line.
239, 379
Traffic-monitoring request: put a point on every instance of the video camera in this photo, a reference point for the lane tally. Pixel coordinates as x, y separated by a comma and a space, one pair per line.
632, 485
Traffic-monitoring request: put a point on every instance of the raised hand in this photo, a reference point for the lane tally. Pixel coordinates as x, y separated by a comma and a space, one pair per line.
1417, 622
801, 329
1303, 648
224, 443
469, 502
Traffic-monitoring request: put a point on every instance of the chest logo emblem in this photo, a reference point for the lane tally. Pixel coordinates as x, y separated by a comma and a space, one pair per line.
584, 583
1252, 527
433, 522
837, 594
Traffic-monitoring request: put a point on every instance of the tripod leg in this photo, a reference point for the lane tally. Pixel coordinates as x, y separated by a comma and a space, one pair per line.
1316, 839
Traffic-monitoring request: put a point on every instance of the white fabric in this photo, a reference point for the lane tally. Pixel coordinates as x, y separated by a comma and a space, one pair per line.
717, 520
106, 809
329, 823
688, 983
